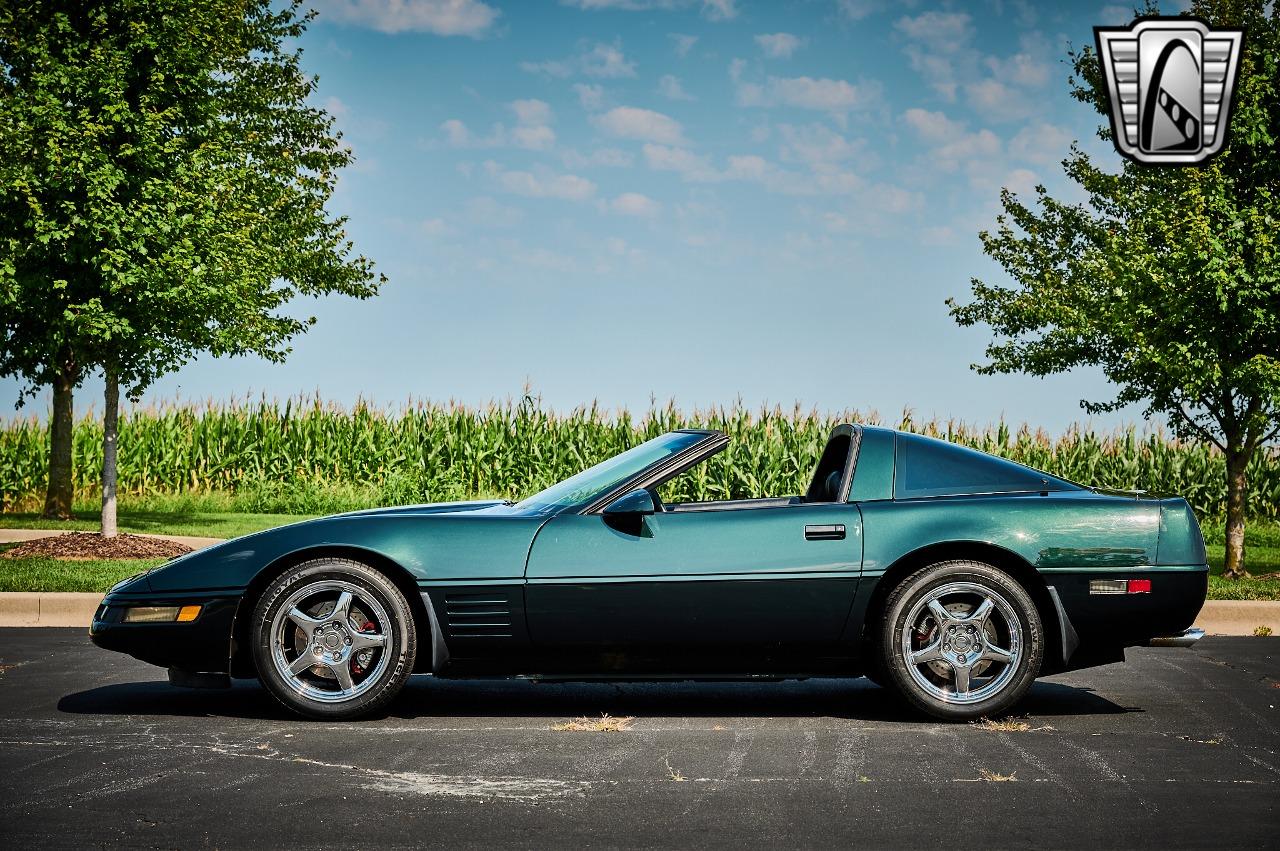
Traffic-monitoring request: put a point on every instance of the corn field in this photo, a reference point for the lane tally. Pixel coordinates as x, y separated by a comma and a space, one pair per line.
429, 451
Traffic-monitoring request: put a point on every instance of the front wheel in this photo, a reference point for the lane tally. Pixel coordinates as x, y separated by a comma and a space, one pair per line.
333, 639
961, 640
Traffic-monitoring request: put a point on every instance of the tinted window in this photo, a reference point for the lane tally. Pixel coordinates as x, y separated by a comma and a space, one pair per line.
927, 467
605, 476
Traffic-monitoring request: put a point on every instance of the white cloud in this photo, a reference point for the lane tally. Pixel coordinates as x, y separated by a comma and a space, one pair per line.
941, 235
531, 131
1115, 15
820, 179
456, 133
589, 96
822, 94
531, 112
1019, 181
544, 184
669, 87
535, 138
932, 126
437, 228
720, 10
856, 10
598, 60
484, 211
600, 157
816, 144
943, 31
629, 122
940, 49
1042, 143
684, 162
440, 17
996, 101
1022, 69
682, 43
779, 45
605, 60
635, 204
939, 42
952, 146
715, 10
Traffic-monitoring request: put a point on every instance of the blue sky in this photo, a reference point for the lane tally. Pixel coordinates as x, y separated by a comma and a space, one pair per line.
689, 199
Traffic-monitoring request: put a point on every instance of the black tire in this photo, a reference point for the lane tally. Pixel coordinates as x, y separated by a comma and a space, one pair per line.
988, 687
373, 598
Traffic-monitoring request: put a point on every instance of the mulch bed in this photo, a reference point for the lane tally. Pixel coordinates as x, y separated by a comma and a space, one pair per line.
91, 545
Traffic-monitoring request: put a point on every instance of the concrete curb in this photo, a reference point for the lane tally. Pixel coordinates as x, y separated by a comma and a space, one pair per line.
1218, 617
10, 536
21, 608
1239, 617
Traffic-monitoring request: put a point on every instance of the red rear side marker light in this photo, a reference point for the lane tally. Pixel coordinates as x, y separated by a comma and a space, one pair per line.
1119, 586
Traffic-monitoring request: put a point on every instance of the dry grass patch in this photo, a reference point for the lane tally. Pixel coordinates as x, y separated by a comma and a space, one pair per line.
992, 777
1008, 725
606, 723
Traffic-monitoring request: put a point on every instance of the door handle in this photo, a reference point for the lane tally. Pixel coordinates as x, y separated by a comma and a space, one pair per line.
833, 532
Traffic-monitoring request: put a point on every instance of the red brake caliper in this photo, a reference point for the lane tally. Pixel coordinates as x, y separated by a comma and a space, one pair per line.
355, 664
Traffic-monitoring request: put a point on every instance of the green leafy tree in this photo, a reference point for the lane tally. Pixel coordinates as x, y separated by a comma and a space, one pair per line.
1166, 278
163, 182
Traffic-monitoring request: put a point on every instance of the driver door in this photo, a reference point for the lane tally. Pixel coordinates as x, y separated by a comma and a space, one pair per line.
770, 578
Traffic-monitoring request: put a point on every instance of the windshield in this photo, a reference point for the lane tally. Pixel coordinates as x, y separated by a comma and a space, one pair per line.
607, 475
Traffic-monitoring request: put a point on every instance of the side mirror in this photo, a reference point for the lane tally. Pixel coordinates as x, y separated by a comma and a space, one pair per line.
636, 502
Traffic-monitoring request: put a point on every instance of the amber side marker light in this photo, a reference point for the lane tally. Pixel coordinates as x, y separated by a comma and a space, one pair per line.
1119, 586
161, 614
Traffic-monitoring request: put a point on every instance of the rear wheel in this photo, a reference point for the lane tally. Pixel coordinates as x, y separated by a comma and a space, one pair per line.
333, 639
961, 640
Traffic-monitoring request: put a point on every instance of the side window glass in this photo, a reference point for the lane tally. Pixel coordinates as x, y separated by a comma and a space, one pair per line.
929, 467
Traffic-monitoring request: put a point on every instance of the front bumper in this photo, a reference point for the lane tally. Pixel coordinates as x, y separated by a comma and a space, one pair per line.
200, 645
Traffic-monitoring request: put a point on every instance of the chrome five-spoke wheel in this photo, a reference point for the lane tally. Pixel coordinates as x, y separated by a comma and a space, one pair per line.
330, 639
964, 642
960, 640
333, 638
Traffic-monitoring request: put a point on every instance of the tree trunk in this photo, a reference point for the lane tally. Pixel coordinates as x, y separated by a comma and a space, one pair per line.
57, 502
110, 427
1237, 461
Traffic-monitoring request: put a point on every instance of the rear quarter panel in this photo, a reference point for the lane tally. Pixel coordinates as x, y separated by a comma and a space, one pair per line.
1069, 538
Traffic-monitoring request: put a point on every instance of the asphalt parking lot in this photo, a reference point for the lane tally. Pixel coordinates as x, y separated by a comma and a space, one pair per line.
1175, 748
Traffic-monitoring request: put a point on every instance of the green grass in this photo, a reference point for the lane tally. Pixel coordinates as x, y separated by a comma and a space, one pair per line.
198, 524
51, 574
204, 515
1262, 556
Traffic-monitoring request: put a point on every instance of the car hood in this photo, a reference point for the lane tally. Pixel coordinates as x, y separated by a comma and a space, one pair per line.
426, 508
426, 540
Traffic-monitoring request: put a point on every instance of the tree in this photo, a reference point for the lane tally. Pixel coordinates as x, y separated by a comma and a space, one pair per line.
1166, 278
164, 193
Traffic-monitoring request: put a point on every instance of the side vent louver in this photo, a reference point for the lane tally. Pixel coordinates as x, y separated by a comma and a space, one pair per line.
478, 615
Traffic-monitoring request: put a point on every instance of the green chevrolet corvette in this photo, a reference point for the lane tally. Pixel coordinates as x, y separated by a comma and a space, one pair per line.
951, 576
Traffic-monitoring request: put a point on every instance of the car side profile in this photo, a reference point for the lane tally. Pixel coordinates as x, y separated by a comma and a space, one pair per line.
954, 577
